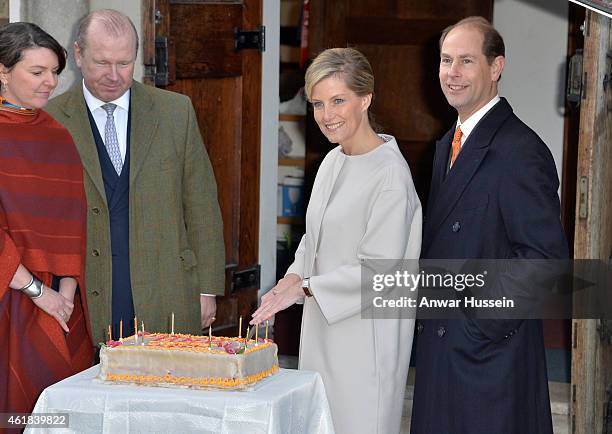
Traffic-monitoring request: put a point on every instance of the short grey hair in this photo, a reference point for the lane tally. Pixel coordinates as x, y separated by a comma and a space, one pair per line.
114, 22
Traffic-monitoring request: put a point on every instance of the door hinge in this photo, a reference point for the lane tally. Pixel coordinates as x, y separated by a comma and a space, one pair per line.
244, 39
161, 61
149, 73
574, 78
248, 278
584, 27
583, 188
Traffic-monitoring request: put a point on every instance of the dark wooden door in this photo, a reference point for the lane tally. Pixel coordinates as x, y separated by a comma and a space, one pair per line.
400, 39
592, 339
225, 87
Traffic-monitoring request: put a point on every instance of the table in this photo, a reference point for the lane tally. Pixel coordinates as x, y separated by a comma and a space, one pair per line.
288, 402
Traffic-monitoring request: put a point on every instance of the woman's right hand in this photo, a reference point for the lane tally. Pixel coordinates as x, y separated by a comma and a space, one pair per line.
55, 305
287, 281
284, 283
287, 291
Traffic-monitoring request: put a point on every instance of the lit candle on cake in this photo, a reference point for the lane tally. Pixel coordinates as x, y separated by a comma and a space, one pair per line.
172, 325
246, 338
240, 327
256, 333
210, 336
120, 330
135, 329
110, 333
267, 323
143, 333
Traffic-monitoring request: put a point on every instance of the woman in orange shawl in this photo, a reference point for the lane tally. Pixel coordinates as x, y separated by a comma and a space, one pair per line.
44, 327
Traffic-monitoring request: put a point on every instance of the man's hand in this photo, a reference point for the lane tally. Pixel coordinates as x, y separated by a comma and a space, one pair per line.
208, 309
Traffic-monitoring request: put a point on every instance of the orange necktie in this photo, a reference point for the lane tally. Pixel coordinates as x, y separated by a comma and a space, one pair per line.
456, 145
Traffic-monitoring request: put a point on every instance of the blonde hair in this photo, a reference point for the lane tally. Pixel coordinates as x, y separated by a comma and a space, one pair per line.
348, 63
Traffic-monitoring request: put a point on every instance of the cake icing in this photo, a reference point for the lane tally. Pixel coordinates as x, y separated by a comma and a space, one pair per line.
179, 360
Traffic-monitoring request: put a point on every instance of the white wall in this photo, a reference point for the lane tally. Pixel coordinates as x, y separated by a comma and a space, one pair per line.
14, 11
269, 145
132, 9
60, 19
533, 80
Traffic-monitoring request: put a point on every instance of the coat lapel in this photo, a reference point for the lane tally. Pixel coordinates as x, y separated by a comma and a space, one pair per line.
450, 189
439, 167
143, 127
78, 124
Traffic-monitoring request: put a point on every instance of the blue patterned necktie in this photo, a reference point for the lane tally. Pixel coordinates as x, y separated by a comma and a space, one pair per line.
110, 138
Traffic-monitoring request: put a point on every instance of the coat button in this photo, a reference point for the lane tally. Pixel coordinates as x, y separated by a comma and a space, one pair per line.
419, 328
441, 331
95, 252
95, 293
95, 210
456, 227
512, 333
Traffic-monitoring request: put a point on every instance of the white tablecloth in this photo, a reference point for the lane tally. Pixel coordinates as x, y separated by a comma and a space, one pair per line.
289, 402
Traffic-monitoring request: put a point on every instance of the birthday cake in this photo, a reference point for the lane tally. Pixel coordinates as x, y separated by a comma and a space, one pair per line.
180, 360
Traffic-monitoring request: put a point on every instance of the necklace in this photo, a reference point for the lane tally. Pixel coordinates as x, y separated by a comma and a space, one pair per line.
7, 106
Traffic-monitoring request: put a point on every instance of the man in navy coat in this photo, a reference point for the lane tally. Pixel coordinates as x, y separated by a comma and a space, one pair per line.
493, 195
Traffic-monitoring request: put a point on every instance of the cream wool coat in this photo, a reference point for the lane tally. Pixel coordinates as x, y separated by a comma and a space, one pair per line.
362, 207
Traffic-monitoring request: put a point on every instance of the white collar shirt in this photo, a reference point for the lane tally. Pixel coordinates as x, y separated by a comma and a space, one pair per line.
120, 115
468, 125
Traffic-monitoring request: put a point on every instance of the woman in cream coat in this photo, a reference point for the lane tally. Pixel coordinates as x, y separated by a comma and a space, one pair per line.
363, 206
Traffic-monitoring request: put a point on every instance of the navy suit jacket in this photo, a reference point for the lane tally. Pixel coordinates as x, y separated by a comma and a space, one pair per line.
498, 201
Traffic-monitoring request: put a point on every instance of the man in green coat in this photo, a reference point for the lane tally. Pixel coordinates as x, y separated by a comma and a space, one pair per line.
154, 228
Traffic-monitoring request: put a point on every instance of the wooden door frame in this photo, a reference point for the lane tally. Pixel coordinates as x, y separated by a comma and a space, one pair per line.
247, 203
590, 357
251, 124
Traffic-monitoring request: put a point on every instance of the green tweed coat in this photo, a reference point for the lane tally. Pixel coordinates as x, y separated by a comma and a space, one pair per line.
176, 231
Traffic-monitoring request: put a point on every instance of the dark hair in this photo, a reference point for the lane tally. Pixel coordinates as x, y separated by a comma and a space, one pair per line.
114, 22
17, 37
493, 43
